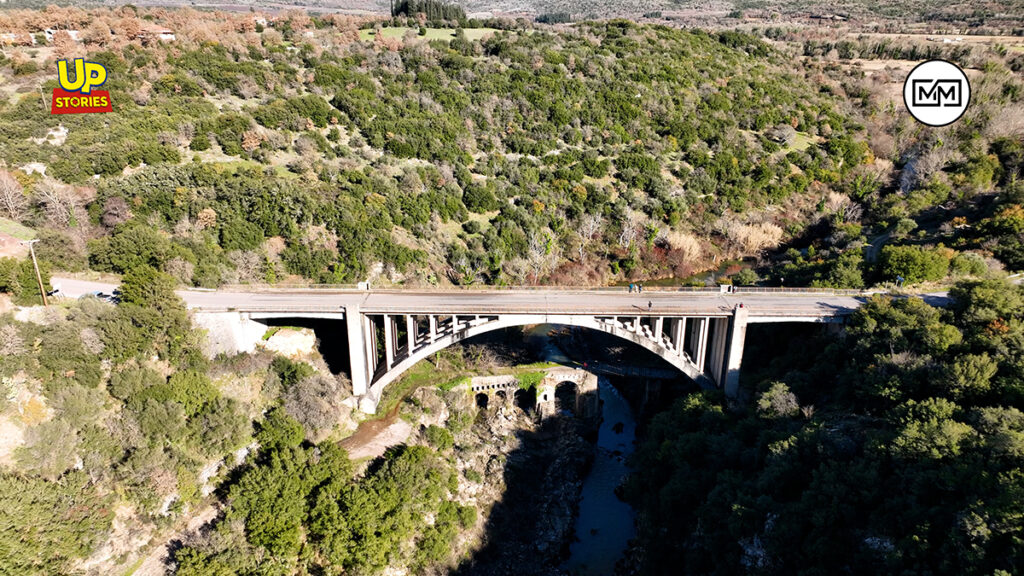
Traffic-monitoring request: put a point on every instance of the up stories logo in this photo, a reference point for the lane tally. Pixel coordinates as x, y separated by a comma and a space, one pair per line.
77, 96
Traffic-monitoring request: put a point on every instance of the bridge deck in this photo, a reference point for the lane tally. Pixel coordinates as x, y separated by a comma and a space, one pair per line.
769, 305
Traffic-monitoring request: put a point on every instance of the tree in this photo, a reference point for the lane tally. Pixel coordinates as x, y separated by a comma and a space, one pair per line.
271, 500
970, 375
315, 402
50, 449
47, 525
778, 402
58, 201
149, 302
590, 226
929, 430
12, 197
145, 286
279, 431
914, 263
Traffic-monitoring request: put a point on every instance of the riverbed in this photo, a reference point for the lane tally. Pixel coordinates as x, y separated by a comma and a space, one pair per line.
604, 524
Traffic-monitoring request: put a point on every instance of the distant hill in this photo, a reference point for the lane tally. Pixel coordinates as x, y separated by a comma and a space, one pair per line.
1008, 14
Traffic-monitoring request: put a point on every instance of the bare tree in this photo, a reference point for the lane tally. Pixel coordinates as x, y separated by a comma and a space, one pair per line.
57, 200
12, 197
590, 225
115, 211
630, 230
11, 342
316, 403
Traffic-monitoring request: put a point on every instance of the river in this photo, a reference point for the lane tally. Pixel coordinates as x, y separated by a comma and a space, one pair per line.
604, 524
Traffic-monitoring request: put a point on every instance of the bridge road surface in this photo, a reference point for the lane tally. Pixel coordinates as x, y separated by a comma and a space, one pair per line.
762, 306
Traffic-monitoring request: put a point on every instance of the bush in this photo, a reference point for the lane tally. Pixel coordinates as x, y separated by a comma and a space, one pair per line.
968, 264
529, 380
778, 402
439, 438
279, 431
914, 263
745, 277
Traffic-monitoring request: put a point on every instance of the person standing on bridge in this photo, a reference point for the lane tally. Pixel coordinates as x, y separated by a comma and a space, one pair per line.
649, 305
630, 287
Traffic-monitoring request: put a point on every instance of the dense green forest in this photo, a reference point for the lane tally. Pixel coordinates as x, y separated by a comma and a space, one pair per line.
127, 424
606, 152
610, 151
893, 448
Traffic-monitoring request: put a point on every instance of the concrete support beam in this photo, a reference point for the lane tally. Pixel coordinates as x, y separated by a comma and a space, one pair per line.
702, 342
719, 338
636, 325
659, 323
734, 355
678, 331
370, 346
360, 375
432, 321
389, 341
410, 332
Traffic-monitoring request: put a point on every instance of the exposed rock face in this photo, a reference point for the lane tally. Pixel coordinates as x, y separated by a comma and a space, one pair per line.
523, 476
292, 343
228, 332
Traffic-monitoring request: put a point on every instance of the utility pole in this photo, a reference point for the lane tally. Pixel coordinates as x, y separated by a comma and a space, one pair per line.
35, 264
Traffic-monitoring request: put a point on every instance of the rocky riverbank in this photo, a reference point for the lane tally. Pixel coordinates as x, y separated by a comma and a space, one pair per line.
523, 476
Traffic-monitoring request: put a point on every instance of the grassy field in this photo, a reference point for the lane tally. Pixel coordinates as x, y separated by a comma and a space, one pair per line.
432, 33
12, 228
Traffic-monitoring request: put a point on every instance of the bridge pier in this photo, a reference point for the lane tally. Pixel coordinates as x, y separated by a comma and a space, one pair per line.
389, 342
734, 356
359, 373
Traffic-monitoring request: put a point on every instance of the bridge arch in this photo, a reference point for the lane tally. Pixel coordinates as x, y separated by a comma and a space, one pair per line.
609, 325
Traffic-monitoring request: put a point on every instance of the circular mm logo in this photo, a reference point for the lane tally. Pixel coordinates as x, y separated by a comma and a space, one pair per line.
936, 93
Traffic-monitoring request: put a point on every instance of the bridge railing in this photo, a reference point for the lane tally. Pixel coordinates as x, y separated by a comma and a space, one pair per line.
487, 288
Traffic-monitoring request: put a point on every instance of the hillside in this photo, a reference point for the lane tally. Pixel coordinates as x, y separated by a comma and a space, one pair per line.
607, 152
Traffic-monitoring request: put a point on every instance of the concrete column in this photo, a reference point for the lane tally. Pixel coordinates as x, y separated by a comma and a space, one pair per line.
636, 325
734, 355
702, 343
370, 341
658, 324
356, 351
432, 320
410, 332
719, 338
678, 330
389, 342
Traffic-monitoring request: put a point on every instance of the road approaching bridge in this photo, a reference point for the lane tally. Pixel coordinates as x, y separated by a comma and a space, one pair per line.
701, 333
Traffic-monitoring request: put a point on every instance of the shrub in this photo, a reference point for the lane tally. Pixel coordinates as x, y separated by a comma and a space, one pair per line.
439, 438
778, 402
913, 263
529, 380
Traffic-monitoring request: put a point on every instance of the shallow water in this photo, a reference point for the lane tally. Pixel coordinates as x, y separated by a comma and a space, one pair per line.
605, 523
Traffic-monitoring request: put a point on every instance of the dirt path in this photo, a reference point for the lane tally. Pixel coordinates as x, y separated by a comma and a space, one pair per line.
875, 245
374, 437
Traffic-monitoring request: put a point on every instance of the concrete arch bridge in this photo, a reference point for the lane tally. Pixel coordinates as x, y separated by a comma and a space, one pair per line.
699, 333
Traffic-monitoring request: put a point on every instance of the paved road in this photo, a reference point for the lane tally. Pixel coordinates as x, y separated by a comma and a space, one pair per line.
567, 301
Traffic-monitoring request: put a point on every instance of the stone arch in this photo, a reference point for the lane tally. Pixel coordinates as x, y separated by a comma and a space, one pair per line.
482, 400
566, 396
526, 399
679, 361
